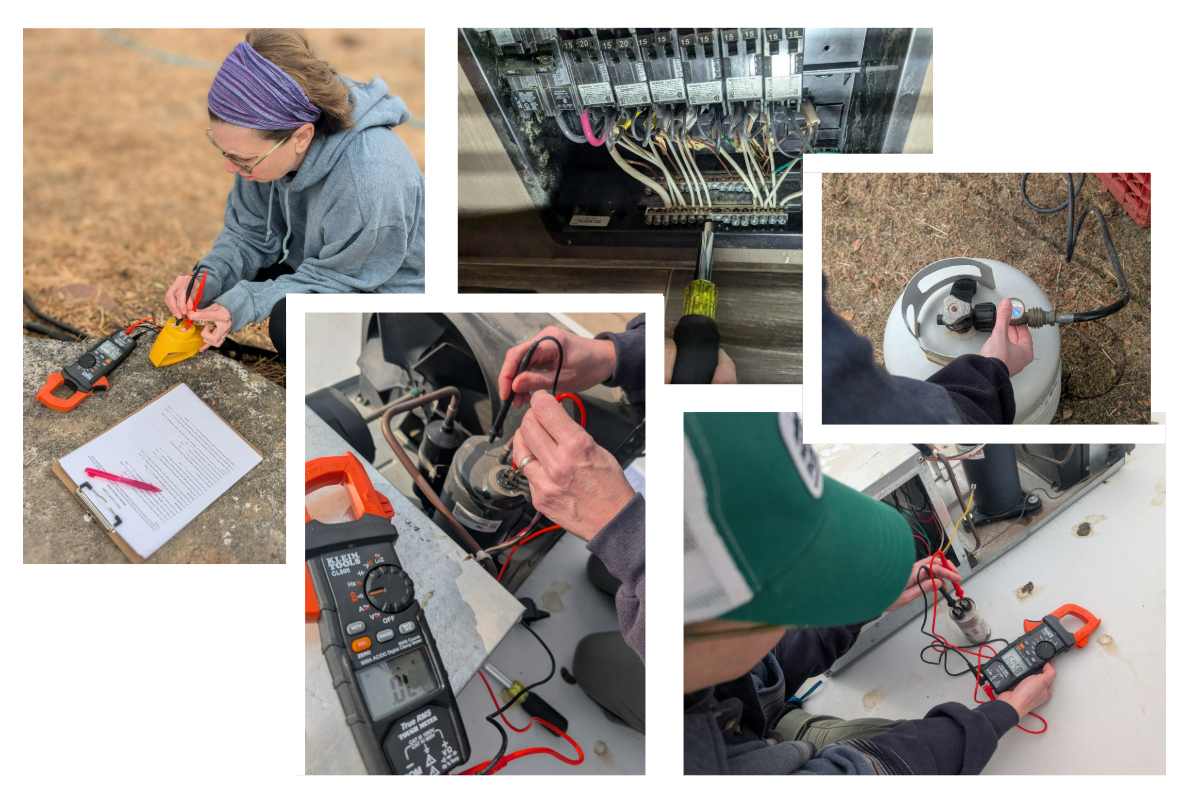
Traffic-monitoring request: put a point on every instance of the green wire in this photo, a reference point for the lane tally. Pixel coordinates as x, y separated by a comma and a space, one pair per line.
782, 167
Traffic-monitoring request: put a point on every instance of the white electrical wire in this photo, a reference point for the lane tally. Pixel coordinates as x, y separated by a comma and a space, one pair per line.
703, 181
683, 171
749, 153
624, 165
665, 163
653, 158
686, 167
685, 157
693, 187
769, 133
745, 180
791, 196
779, 183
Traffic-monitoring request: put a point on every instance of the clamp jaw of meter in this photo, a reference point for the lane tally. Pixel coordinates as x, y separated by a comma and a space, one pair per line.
1042, 641
89, 373
381, 653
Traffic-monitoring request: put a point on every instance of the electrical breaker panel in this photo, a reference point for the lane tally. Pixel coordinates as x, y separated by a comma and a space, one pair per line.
711, 122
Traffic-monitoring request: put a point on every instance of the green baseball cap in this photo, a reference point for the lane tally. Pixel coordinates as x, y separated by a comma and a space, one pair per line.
769, 539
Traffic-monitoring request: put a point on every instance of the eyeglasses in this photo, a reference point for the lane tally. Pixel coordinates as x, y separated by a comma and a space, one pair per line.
246, 168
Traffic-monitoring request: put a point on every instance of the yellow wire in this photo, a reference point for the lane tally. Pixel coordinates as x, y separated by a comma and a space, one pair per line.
970, 500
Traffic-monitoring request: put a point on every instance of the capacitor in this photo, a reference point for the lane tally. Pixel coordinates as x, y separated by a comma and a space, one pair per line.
968, 619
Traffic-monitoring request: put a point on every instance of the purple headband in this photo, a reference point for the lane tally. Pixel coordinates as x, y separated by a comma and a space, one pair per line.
252, 92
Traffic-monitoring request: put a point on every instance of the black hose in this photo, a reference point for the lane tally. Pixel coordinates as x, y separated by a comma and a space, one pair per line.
1073, 227
48, 331
237, 350
80, 335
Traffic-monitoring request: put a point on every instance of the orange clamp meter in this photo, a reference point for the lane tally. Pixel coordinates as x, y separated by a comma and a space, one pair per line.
378, 645
1042, 641
89, 373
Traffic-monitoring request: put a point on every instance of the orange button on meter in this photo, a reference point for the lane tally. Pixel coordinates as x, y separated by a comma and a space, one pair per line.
363, 643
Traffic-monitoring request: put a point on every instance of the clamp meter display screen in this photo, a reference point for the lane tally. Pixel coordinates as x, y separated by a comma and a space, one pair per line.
109, 349
1015, 662
393, 684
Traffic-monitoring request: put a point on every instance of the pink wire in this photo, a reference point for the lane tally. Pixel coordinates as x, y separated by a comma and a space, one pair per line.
587, 130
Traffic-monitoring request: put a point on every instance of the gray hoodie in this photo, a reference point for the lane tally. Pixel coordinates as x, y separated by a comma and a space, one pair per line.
351, 219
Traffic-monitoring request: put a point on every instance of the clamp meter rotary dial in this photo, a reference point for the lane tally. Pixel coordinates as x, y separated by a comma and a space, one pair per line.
388, 588
378, 645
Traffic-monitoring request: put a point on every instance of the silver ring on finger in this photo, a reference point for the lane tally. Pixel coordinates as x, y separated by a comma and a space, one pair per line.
524, 462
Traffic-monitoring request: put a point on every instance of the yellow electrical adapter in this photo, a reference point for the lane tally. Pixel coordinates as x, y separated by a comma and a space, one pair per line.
176, 343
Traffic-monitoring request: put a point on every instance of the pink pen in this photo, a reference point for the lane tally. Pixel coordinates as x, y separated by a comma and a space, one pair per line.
95, 473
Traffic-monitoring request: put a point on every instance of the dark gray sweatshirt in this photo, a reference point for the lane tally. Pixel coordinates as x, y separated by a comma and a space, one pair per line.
857, 391
621, 544
727, 728
351, 219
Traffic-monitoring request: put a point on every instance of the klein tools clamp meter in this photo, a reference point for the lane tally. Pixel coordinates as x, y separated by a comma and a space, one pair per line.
1042, 641
89, 373
379, 648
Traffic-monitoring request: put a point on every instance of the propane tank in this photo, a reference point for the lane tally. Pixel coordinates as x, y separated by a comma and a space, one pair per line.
483, 492
915, 345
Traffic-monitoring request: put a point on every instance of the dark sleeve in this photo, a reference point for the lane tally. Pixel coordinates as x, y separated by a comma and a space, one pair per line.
621, 547
857, 391
980, 387
950, 740
805, 652
630, 369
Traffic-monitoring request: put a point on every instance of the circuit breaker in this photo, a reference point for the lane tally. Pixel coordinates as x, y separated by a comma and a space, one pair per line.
640, 136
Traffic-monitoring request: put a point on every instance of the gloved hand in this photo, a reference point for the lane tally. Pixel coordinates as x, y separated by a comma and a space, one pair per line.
586, 362
574, 481
726, 372
1012, 344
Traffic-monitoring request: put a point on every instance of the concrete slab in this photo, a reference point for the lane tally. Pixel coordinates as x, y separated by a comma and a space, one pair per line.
1108, 713
245, 525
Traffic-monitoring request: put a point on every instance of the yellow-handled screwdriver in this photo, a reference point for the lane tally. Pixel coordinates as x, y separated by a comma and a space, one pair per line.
697, 339
534, 705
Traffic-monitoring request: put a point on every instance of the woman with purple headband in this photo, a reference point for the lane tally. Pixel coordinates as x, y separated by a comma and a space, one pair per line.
326, 198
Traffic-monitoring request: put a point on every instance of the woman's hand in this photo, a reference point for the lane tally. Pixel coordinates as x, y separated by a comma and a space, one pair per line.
726, 373
574, 481
913, 591
222, 320
1031, 692
585, 363
177, 301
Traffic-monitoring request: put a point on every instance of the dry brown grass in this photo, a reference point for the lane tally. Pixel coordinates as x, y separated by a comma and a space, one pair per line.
122, 192
880, 229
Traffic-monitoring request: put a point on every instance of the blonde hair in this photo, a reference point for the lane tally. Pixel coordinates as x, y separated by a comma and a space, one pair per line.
287, 49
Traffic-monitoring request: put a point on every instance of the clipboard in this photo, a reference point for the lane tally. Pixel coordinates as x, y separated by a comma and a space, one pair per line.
96, 513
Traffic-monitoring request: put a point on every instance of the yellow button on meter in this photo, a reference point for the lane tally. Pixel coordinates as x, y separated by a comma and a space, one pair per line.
360, 644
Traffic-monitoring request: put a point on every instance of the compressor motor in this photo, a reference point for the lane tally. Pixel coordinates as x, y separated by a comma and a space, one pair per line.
484, 492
